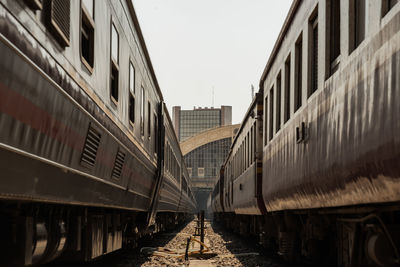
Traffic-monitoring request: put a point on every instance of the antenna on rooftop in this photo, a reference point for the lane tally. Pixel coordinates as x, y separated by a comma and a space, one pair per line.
212, 103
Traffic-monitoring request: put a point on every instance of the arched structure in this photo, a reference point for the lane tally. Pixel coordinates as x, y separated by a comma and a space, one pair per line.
204, 154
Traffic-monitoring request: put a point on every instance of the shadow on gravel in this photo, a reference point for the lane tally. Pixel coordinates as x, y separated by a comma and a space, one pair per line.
238, 244
125, 257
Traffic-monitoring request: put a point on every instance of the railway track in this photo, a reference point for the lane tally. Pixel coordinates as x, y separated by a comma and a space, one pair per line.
226, 249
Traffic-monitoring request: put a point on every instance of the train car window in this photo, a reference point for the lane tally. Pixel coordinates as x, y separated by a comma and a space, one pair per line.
287, 90
114, 64
114, 44
142, 109
245, 153
169, 159
278, 102
248, 150
356, 23
332, 36
155, 134
166, 156
254, 141
148, 119
240, 160
242, 156
175, 168
131, 94
313, 54
236, 163
34, 4
132, 78
231, 192
131, 109
251, 144
172, 163
388, 5
298, 73
271, 113
89, 6
266, 121
234, 166
87, 33
60, 13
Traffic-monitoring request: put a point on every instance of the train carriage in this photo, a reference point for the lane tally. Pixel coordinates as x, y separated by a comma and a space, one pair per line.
330, 148
83, 132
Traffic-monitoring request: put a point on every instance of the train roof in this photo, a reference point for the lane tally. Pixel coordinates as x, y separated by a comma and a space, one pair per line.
286, 25
143, 45
147, 56
245, 118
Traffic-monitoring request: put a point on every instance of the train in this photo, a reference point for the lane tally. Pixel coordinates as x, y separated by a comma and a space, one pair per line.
89, 159
314, 171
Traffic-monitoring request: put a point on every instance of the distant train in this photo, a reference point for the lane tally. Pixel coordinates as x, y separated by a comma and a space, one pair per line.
89, 160
314, 170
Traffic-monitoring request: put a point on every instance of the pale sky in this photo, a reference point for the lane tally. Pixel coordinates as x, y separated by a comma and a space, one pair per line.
198, 45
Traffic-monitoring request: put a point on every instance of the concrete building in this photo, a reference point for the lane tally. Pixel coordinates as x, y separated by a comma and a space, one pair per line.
204, 153
188, 123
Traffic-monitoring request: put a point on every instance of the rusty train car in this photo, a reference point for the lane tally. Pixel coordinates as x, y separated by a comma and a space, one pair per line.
314, 170
88, 157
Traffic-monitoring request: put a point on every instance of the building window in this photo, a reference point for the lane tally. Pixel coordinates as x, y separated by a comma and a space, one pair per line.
298, 73
131, 94
287, 89
271, 113
87, 33
278, 102
357, 23
114, 64
142, 111
388, 5
200, 172
332, 36
313, 54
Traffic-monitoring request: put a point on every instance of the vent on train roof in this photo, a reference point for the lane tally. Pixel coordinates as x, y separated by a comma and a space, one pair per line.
91, 146
118, 164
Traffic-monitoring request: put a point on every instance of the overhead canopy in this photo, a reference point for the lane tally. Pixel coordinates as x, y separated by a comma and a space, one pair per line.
208, 136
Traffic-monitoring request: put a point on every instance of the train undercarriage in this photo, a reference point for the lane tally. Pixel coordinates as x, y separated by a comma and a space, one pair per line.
33, 233
357, 236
